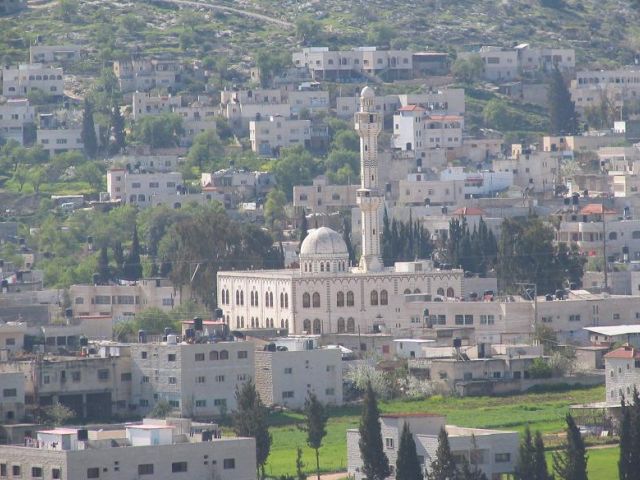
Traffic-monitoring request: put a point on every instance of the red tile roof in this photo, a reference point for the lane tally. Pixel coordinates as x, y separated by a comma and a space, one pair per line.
595, 208
626, 352
411, 108
463, 211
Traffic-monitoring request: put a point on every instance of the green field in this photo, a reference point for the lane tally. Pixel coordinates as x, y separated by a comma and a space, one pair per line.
602, 463
543, 412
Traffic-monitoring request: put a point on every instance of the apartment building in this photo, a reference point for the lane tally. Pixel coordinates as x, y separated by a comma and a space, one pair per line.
545, 58
237, 185
270, 135
60, 54
513, 318
144, 103
324, 64
415, 129
135, 162
495, 452
196, 379
196, 118
123, 301
533, 171
286, 377
159, 449
321, 197
26, 77
15, 115
12, 400
143, 74
59, 140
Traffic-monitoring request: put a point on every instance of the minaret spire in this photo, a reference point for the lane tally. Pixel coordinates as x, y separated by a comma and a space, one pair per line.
369, 198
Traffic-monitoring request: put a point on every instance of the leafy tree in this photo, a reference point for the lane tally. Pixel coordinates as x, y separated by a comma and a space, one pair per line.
159, 131
103, 266
68, 10
206, 153
346, 139
154, 320
380, 34
407, 464
404, 241
21, 176
249, 420
88, 135
562, 111
295, 166
375, 462
315, 425
571, 463
132, 268
635, 433
540, 368
468, 70
118, 256
58, 414
274, 214
91, 172
271, 62
162, 409
37, 176
443, 466
308, 30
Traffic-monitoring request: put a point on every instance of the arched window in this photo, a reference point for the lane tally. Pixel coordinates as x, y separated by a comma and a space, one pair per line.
213, 355
374, 297
281, 323
266, 299
306, 300
328, 267
251, 298
228, 319
341, 326
407, 291
613, 236
340, 299
281, 300
286, 324
237, 297
350, 301
316, 300
450, 292
241, 297
224, 355
417, 290
321, 267
317, 326
384, 297
238, 322
253, 322
440, 291
242, 322
286, 300
271, 300
306, 326
351, 325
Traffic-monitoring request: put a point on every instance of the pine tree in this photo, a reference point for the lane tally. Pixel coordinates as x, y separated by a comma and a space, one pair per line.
443, 466
571, 464
562, 110
117, 126
541, 471
407, 464
625, 464
375, 464
132, 268
249, 420
103, 266
88, 135
315, 425
526, 458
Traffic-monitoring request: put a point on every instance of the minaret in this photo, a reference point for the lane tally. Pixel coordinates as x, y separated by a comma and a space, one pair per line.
369, 197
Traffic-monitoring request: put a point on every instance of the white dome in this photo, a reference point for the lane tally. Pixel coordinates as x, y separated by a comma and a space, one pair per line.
367, 92
322, 242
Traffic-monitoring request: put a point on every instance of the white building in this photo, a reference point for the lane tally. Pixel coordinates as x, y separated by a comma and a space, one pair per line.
15, 114
622, 371
144, 74
495, 452
269, 136
533, 171
59, 140
287, 377
322, 197
60, 54
196, 379
159, 449
590, 88
144, 103
325, 294
21, 80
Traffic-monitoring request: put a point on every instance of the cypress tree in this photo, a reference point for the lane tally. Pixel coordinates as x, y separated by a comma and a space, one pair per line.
304, 230
571, 464
625, 464
118, 256
526, 457
117, 125
562, 110
635, 433
249, 420
407, 464
443, 466
132, 268
375, 464
299, 465
387, 240
103, 266
541, 472
88, 134
346, 235
315, 425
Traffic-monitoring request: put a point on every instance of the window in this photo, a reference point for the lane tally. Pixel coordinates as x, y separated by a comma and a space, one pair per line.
171, 357
350, 299
75, 376
374, 297
199, 357
36, 472
219, 378
330, 392
468, 319
459, 319
145, 469
229, 463
213, 355
351, 325
145, 379
384, 297
317, 326
316, 300
201, 379
340, 299
173, 380
143, 355
574, 318
55, 473
3, 469
288, 394
388, 442
341, 325
103, 374
177, 467
306, 300
487, 319
201, 403
9, 392
93, 472
242, 354
220, 402
503, 457
174, 403
288, 371
143, 402
224, 354
125, 377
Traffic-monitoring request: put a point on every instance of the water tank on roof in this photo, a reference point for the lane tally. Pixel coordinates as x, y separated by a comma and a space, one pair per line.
172, 339
270, 347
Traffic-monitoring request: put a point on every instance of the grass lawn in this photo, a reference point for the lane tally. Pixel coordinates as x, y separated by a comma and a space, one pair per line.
602, 463
542, 411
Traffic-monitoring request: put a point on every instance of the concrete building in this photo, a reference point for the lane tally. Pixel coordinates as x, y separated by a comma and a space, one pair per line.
144, 103
135, 162
143, 74
322, 197
500, 64
533, 171
159, 449
286, 377
270, 135
196, 379
617, 334
15, 115
123, 301
59, 140
59, 54
545, 59
622, 373
21, 80
238, 185
494, 452
12, 401
415, 129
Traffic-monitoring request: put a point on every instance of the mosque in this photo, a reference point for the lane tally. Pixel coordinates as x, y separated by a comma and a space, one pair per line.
325, 294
